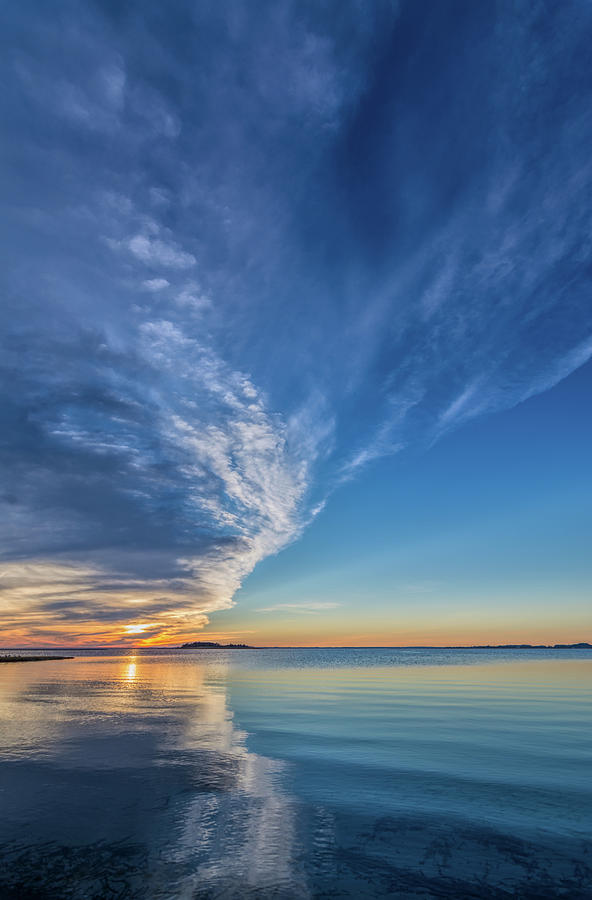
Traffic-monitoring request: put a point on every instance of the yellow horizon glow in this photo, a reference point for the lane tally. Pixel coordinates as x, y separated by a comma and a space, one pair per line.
131, 641
346, 627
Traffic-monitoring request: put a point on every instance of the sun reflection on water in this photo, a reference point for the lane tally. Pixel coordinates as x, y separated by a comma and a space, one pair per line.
130, 672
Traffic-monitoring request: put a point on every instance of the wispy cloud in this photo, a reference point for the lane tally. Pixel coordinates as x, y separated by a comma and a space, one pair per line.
155, 284
308, 607
155, 252
192, 298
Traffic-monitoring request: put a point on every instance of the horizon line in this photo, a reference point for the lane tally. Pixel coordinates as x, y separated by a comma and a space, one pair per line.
516, 645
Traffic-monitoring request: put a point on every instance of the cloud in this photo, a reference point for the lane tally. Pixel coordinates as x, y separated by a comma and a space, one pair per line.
156, 284
304, 607
190, 464
155, 252
192, 298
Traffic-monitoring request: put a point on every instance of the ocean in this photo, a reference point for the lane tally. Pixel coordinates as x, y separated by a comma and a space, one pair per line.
411, 773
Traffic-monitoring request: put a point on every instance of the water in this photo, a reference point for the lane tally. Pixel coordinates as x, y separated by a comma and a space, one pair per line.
297, 773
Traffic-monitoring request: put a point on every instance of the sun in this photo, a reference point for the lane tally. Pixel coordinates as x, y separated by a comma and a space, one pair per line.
140, 628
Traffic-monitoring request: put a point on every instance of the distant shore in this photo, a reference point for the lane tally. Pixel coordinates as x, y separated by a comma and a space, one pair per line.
213, 645
16, 659
583, 645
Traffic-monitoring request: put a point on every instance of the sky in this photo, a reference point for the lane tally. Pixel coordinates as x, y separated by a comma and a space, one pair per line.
296, 323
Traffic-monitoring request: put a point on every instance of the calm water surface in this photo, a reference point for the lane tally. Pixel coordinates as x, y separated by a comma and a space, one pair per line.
295, 773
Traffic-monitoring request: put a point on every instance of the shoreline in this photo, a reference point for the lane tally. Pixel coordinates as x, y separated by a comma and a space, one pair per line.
17, 659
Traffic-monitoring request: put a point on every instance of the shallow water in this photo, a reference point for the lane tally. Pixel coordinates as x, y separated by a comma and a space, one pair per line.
297, 773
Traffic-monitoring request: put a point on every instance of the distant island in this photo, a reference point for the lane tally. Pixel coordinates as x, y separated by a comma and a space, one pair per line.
213, 645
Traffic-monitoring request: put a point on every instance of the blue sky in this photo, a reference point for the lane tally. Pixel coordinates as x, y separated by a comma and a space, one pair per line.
293, 286
483, 537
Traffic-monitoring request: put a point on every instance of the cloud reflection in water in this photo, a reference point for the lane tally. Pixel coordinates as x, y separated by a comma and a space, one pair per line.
154, 789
